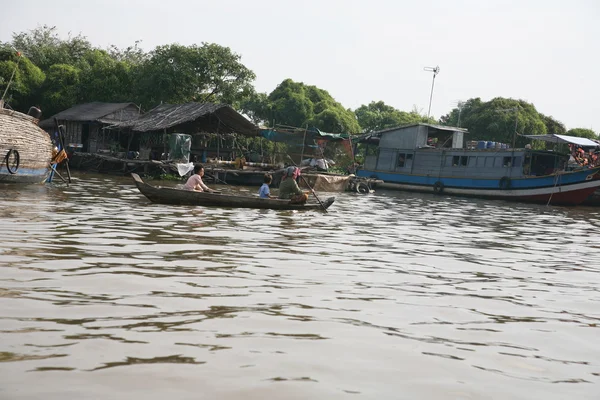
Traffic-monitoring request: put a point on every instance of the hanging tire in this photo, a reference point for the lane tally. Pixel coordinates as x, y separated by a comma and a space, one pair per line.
438, 187
505, 183
12, 160
363, 188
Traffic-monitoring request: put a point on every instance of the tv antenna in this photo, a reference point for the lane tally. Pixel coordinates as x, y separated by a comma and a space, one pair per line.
435, 70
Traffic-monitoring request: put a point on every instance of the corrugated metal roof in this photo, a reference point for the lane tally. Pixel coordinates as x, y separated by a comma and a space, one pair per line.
438, 127
166, 116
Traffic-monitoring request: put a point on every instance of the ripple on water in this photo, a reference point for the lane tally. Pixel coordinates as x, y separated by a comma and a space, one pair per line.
427, 296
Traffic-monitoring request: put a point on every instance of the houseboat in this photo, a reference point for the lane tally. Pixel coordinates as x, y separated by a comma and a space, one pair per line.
433, 158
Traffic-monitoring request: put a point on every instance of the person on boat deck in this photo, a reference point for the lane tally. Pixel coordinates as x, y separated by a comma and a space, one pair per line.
264, 191
194, 182
288, 188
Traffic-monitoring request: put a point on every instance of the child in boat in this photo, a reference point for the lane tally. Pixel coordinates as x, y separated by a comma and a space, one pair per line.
288, 188
194, 182
264, 191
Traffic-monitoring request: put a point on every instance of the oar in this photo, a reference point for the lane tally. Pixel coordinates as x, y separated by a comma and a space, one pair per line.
215, 178
53, 167
61, 140
311, 189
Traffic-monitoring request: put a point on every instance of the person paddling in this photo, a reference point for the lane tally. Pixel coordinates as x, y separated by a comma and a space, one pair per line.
288, 188
194, 182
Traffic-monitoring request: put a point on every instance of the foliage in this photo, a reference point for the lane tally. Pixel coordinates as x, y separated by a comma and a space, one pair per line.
299, 105
378, 115
45, 48
132, 55
26, 81
256, 106
553, 126
61, 88
583, 132
179, 74
103, 78
499, 119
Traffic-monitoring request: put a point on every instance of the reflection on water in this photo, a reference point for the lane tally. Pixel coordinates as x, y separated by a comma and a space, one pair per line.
391, 295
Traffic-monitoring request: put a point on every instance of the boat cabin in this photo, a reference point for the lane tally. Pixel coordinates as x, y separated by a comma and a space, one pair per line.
435, 150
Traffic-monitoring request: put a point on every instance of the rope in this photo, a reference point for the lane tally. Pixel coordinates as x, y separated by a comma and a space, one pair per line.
556, 179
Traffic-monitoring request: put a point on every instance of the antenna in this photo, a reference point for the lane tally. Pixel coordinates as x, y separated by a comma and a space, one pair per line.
516, 121
435, 70
459, 104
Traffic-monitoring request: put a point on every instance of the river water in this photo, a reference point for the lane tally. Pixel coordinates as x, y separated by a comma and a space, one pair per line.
388, 296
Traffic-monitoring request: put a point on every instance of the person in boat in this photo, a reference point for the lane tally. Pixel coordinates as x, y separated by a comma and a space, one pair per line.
288, 188
194, 182
264, 191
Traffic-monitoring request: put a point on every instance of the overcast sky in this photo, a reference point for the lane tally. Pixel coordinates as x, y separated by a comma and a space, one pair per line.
545, 52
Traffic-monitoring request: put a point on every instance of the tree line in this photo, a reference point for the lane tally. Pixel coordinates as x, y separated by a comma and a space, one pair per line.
56, 73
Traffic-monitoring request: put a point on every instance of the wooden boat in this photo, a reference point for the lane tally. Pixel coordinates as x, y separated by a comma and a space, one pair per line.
25, 149
164, 195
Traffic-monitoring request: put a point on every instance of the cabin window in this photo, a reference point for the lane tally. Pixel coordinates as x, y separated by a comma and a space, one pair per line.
516, 161
508, 162
489, 162
460, 161
472, 161
401, 160
481, 161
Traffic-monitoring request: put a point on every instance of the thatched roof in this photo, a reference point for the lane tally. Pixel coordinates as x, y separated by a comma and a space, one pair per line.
95, 111
192, 118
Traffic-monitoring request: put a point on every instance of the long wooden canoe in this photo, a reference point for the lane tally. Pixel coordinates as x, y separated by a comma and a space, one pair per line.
164, 195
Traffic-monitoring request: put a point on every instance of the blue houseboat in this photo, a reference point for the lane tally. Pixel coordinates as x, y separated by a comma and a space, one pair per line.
433, 158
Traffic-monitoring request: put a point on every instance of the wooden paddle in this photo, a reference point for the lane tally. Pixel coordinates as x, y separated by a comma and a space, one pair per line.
311, 189
61, 140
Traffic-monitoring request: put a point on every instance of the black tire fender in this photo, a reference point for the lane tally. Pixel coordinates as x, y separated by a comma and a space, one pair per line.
363, 188
505, 183
438, 187
13, 166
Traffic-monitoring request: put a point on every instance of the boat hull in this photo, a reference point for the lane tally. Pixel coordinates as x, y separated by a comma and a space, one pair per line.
173, 196
25, 149
570, 188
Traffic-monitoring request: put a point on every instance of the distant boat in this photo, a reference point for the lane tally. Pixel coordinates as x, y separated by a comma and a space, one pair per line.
25, 149
433, 158
164, 195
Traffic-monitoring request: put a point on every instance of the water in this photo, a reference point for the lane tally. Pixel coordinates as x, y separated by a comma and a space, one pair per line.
388, 296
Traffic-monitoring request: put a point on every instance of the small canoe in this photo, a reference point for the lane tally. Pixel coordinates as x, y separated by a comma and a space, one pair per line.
164, 195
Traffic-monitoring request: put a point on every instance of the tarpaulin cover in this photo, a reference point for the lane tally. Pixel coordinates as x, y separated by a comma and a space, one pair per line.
180, 146
564, 139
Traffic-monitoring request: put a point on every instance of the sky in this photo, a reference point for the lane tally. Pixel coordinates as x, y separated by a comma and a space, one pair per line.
544, 52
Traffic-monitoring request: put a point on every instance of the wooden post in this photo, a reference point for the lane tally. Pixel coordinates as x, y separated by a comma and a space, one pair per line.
303, 144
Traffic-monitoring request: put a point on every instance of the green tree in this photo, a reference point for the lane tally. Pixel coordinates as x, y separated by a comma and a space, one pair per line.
583, 132
132, 55
553, 126
499, 119
299, 105
26, 82
179, 74
257, 107
45, 48
103, 78
61, 88
377, 116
